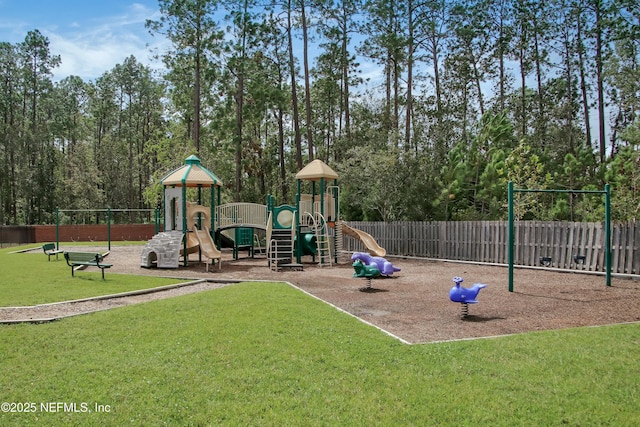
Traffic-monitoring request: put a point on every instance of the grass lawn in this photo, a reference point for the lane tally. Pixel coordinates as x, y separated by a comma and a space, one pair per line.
29, 279
267, 354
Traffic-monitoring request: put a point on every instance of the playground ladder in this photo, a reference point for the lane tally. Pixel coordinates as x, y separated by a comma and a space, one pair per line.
280, 247
323, 243
339, 236
273, 255
257, 245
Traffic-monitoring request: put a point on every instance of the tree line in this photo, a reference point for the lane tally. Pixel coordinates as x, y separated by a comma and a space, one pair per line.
466, 96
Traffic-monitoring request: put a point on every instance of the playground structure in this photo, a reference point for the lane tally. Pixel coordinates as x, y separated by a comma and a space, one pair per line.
186, 229
310, 228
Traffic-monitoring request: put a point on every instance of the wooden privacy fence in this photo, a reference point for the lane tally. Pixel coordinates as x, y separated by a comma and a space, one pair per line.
21, 234
565, 245
15, 234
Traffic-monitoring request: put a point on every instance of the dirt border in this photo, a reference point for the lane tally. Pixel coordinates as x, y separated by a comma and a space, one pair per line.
51, 312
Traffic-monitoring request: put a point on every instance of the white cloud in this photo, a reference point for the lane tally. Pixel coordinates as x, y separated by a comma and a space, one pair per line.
90, 56
89, 49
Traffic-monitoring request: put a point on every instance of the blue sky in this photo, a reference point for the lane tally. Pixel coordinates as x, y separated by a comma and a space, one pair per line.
90, 36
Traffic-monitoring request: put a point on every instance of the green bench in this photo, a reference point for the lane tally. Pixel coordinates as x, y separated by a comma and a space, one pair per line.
85, 259
50, 249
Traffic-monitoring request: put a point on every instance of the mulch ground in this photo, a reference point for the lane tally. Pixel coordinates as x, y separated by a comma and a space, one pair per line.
413, 304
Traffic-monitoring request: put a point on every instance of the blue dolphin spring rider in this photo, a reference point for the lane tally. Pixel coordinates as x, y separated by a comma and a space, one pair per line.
465, 296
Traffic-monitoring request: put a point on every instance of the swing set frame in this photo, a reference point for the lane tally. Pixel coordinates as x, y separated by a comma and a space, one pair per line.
108, 212
607, 224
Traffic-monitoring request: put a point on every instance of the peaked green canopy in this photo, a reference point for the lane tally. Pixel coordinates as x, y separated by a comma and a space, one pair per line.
192, 174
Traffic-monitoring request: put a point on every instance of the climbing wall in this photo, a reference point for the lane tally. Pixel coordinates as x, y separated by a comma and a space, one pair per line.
163, 249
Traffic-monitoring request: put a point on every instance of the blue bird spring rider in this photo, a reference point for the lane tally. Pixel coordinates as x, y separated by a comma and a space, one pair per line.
465, 296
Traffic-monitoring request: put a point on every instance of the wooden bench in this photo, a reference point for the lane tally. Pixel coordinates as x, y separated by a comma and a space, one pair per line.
85, 259
50, 249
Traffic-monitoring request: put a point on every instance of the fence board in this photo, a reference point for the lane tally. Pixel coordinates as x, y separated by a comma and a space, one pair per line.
589, 245
628, 266
615, 247
577, 244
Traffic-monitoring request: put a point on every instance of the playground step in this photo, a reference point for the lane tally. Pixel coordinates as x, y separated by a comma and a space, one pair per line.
292, 266
280, 248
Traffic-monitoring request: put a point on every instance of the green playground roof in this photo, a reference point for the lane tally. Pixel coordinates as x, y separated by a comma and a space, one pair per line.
192, 174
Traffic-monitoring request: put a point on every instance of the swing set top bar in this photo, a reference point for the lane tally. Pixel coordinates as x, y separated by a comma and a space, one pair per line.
106, 210
607, 225
526, 190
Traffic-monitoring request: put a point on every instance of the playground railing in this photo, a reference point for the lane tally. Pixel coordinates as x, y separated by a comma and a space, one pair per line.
241, 215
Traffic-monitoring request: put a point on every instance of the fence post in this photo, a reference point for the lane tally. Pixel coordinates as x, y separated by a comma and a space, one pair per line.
510, 238
109, 228
607, 232
57, 228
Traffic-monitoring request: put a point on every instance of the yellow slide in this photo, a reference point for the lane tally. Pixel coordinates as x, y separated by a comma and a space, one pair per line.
207, 246
367, 239
192, 244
